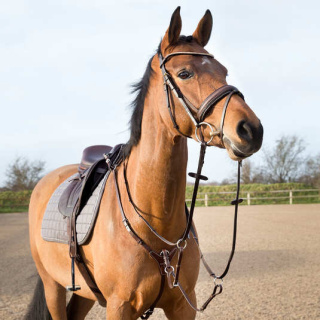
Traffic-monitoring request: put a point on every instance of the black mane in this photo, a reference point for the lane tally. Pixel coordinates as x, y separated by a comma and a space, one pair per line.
141, 88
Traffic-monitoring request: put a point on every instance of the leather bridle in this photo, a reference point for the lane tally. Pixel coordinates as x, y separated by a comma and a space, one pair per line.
197, 115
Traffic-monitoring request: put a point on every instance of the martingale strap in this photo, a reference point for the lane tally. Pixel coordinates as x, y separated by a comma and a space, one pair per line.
181, 244
157, 257
218, 280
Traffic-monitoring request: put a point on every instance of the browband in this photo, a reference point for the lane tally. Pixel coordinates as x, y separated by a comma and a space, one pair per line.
182, 53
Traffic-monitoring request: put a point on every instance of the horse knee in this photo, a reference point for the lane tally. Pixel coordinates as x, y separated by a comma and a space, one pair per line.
119, 310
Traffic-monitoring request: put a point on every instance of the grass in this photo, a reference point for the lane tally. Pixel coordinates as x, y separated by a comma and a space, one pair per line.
277, 193
11, 201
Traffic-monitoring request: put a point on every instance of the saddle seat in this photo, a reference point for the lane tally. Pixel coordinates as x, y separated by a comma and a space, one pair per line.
92, 154
91, 171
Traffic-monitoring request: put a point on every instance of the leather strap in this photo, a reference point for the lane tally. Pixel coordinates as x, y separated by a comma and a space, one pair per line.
198, 177
218, 287
157, 257
149, 312
184, 53
90, 281
215, 97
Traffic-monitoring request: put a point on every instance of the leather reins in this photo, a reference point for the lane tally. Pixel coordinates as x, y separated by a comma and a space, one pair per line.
164, 258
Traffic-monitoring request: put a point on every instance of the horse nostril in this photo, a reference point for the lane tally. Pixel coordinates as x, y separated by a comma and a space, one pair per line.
244, 130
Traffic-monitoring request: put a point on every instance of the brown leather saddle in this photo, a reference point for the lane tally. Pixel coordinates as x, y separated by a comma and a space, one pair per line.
95, 163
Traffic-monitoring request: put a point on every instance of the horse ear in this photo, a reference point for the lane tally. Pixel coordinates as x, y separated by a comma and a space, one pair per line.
172, 35
203, 31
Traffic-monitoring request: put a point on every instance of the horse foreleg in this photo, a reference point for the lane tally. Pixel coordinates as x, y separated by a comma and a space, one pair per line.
181, 309
78, 307
56, 298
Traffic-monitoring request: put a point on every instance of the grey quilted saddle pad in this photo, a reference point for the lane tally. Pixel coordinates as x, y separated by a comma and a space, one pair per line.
54, 225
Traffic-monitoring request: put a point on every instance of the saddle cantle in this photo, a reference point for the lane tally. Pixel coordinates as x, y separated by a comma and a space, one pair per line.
92, 154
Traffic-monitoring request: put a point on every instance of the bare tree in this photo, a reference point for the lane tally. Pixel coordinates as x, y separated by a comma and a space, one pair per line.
311, 175
23, 174
247, 171
285, 161
251, 173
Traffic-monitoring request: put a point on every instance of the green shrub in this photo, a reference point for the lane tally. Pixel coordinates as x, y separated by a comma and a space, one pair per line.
14, 201
11, 201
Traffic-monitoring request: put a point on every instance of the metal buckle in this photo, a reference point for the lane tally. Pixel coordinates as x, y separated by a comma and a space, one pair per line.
213, 132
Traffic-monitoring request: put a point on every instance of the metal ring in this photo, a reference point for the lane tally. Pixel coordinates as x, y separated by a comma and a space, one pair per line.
220, 283
212, 133
170, 268
182, 247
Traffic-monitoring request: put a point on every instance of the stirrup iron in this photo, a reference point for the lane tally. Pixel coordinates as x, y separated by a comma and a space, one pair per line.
73, 287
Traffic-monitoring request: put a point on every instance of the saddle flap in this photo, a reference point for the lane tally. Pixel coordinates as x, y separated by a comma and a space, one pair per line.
78, 192
69, 197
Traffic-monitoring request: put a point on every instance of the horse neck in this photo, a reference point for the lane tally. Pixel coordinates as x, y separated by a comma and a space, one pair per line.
157, 172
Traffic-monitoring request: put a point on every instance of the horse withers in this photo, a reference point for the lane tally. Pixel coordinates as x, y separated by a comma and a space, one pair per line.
197, 103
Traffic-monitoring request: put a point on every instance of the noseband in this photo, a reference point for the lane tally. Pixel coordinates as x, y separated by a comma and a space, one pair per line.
197, 115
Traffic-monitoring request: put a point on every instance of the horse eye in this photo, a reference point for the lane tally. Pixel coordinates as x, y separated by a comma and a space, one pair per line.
184, 75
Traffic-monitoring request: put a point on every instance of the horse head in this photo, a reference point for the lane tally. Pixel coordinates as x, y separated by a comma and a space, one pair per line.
199, 82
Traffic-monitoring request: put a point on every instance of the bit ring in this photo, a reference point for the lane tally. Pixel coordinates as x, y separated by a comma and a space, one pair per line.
212, 133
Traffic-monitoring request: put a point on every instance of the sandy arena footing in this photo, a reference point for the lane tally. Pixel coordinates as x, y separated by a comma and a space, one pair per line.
275, 273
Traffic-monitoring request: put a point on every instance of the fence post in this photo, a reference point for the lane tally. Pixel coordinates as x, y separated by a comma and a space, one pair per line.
206, 199
248, 199
290, 196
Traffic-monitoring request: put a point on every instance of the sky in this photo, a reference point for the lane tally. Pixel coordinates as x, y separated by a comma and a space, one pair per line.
66, 68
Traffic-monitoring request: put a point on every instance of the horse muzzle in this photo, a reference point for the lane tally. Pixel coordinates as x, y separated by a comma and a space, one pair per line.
250, 140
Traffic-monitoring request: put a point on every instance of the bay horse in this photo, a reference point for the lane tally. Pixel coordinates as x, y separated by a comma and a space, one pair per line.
156, 161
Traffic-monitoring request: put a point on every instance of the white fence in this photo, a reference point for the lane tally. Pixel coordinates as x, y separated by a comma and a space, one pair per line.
289, 194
